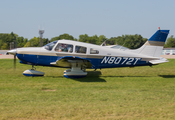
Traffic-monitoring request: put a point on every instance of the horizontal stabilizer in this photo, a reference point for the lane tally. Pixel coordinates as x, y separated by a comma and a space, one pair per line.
161, 60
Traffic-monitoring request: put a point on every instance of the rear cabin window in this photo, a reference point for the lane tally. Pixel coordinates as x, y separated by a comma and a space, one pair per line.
61, 47
94, 51
80, 49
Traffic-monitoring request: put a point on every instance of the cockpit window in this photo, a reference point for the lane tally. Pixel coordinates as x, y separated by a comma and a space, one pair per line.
50, 45
62, 47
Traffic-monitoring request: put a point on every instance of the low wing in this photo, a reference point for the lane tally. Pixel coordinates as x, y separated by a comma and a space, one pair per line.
67, 60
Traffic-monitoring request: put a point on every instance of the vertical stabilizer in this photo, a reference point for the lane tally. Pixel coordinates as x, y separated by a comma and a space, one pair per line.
154, 46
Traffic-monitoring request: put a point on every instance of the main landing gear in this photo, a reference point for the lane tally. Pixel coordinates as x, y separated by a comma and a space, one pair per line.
76, 70
32, 72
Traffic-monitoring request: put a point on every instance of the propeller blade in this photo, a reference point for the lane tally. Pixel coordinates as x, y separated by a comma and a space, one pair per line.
14, 62
13, 52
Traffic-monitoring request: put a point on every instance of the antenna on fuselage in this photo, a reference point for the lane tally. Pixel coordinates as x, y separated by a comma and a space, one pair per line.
103, 44
122, 45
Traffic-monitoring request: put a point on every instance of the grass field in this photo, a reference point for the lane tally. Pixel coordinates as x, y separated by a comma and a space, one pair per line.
146, 93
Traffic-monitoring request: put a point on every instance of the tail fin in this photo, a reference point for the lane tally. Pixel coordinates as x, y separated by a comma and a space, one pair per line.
153, 47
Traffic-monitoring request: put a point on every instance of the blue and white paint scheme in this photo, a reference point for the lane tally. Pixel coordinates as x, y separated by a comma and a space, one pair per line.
79, 56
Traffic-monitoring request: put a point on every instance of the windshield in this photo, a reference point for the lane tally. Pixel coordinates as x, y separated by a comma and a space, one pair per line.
50, 45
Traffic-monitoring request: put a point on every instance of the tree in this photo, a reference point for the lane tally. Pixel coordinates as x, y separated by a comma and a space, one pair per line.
111, 41
34, 42
63, 36
83, 38
4, 46
131, 41
7, 38
45, 41
21, 41
101, 39
1, 42
120, 40
170, 42
93, 40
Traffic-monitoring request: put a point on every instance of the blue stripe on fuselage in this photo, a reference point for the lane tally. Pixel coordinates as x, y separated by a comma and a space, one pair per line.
105, 62
37, 59
25, 58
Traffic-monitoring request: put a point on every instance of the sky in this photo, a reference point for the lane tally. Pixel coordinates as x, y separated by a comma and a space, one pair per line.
110, 18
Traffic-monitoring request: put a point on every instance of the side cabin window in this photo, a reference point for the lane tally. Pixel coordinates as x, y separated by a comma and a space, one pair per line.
61, 47
80, 49
94, 51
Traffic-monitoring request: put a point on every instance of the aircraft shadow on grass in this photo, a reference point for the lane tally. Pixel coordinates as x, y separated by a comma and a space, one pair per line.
93, 76
167, 76
125, 76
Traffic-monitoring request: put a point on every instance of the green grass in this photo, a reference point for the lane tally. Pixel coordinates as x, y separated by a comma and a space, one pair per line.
120, 93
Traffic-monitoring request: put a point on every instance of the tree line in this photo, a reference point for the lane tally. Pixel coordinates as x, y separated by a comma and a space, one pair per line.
11, 40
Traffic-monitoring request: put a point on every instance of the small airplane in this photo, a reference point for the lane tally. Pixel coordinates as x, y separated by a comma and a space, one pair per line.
79, 56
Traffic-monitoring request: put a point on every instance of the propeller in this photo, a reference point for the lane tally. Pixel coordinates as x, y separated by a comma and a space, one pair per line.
13, 52
14, 62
